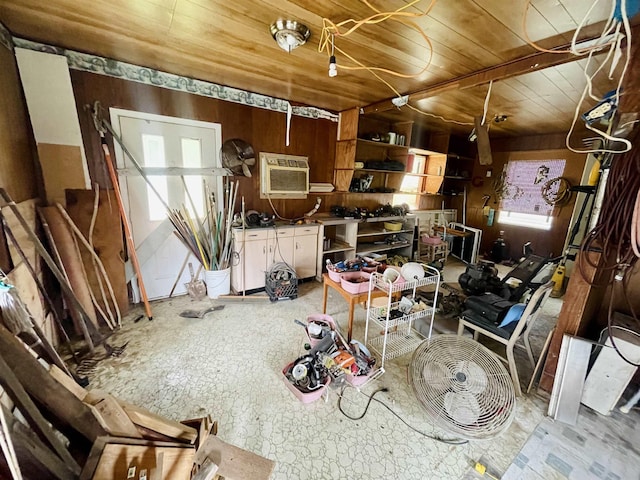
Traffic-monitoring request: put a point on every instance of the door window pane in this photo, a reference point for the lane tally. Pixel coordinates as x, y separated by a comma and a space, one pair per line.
153, 156
192, 158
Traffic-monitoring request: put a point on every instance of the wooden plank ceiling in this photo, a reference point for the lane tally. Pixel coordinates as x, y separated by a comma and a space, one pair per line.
228, 42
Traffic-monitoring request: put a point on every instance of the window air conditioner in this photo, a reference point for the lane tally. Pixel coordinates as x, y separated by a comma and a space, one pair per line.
283, 176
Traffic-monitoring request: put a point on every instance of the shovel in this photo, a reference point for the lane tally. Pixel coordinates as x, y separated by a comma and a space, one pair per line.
196, 289
201, 313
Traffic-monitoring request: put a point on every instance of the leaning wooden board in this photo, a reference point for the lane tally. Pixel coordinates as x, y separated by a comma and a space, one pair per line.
233, 462
107, 239
112, 458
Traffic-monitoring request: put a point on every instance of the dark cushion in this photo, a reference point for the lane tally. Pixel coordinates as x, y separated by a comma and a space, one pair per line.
476, 319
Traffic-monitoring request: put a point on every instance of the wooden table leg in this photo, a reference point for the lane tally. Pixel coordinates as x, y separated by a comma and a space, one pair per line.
324, 297
352, 304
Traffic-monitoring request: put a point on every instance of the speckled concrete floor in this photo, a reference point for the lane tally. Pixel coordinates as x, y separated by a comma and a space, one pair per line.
229, 365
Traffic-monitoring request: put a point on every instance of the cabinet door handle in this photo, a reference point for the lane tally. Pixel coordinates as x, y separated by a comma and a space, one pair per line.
264, 249
297, 245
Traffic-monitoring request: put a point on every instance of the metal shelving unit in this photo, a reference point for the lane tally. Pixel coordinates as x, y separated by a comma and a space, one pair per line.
396, 336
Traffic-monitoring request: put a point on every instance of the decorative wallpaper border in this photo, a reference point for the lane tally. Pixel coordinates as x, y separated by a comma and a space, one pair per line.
6, 40
114, 68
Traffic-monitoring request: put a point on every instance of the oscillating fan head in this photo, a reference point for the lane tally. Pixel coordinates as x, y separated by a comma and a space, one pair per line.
463, 386
238, 155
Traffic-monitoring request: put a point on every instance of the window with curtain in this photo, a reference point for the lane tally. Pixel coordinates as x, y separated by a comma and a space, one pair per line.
520, 188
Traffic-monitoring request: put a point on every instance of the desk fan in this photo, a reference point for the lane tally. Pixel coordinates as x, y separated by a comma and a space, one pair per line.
463, 386
237, 156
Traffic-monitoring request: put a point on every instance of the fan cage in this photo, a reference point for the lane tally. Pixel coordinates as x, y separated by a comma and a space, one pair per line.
463, 386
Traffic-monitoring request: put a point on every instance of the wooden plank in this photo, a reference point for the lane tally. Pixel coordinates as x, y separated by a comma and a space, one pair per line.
530, 63
484, 147
342, 179
72, 263
345, 154
57, 402
204, 425
233, 462
69, 383
111, 415
111, 458
30, 449
19, 396
62, 168
107, 240
159, 424
348, 124
580, 302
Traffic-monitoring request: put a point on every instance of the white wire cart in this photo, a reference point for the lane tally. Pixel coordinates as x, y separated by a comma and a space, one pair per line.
388, 331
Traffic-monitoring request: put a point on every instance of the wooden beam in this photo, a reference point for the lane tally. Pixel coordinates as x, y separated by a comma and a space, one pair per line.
19, 396
42, 387
30, 449
520, 66
581, 302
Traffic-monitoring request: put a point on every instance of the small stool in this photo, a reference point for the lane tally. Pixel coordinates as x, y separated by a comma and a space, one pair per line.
431, 252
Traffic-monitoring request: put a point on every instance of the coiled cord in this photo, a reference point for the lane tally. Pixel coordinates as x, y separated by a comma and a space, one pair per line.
616, 234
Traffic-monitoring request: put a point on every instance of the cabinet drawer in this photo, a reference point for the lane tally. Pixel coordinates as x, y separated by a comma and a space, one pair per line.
251, 235
280, 232
306, 230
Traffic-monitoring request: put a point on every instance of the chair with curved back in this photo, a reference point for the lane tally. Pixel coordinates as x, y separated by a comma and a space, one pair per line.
509, 337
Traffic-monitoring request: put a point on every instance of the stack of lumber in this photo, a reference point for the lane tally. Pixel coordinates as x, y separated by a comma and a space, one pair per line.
63, 431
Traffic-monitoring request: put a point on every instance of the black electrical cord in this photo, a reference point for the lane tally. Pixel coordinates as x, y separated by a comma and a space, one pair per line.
366, 408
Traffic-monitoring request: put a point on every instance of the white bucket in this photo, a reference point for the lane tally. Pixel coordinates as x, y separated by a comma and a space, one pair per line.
218, 282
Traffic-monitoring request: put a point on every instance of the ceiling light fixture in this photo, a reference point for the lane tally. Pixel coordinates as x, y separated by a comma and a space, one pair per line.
289, 34
333, 67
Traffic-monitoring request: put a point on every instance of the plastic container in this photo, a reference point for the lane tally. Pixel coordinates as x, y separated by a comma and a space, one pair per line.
322, 319
359, 380
218, 282
393, 226
302, 396
392, 274
431, 240
355, 288
335, 276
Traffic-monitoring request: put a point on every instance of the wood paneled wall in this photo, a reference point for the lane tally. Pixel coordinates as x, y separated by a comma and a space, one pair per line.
544, 243
264, 129
18, 172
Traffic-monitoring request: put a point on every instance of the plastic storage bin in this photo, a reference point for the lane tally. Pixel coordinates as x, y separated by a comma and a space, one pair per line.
335, 276
302, 396
321, 319
355, 288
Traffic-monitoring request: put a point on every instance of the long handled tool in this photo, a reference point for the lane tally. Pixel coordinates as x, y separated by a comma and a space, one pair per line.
86, 321
43, 291
99, 124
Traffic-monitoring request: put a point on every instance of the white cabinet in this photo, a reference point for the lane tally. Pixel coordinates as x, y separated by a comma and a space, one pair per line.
249, 259
305, 251
279, 247
256, 250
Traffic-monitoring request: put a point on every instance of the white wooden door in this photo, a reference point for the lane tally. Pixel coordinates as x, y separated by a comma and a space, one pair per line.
171, 148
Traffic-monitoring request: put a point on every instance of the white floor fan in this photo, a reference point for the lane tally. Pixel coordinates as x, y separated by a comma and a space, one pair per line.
463, 386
